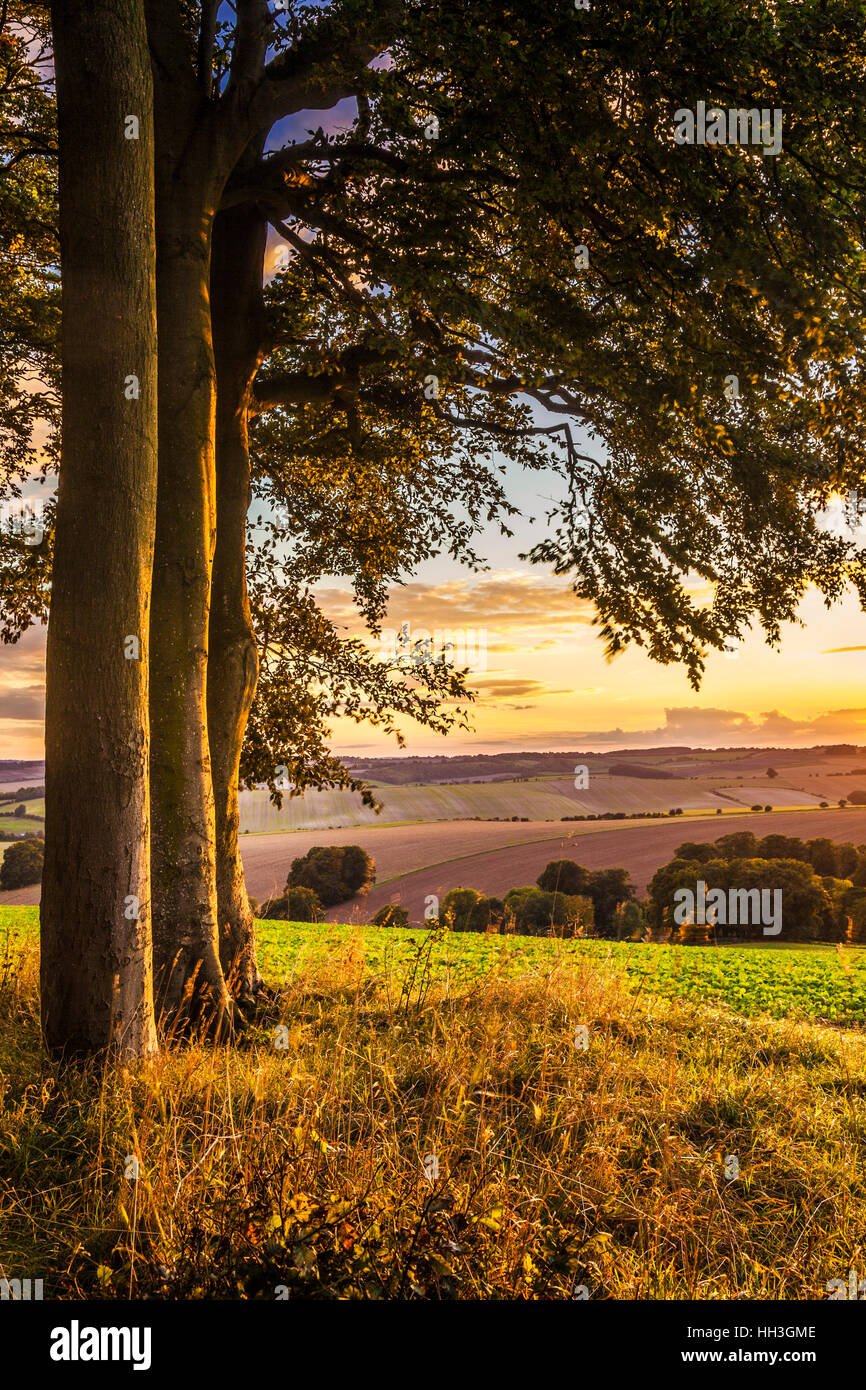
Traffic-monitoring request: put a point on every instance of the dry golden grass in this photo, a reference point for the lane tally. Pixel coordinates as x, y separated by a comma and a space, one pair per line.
268, 1171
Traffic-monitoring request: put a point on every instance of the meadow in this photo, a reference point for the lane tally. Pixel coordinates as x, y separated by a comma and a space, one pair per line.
412, 1115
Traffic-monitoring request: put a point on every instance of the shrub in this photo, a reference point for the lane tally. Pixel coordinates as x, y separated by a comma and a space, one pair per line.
757, 807
335, 873
22, 864
391, 915
297, 904
465, 909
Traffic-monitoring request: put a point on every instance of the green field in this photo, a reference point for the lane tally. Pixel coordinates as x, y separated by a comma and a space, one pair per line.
814, 982
818, 983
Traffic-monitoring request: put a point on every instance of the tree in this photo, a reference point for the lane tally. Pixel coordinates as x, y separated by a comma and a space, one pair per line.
564, 876
607, 889
315, 182
465, 909
477, 233
537, 912
96, 969
22, 864
771, 772
334, 872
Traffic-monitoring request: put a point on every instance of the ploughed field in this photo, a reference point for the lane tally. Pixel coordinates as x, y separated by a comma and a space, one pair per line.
416, 860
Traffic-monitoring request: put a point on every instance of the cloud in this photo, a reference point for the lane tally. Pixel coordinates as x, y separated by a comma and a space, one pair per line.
503, 687
500, 604
27, 702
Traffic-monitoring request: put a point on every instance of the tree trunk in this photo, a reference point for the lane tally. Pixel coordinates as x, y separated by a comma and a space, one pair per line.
189, 983
237, 310
97, 986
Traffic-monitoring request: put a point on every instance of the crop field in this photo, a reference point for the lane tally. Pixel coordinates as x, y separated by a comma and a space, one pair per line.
820, 982
548, 798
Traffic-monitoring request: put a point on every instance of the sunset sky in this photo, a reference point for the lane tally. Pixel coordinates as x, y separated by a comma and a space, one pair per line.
546, 682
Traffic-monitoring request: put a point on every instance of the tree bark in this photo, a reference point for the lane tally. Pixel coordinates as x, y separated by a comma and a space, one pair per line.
189, 981
96, 974
238, 319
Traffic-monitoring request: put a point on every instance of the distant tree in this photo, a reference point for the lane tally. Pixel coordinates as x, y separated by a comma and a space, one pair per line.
855, 798
827, 858
607, 889
21, 810
334, 872
741, 844
564, 876
808, 912
537, 912
771, 772
842, 801
359, 871
465, 909
698, 853
757, 806
22, 864
786, 847
629, 921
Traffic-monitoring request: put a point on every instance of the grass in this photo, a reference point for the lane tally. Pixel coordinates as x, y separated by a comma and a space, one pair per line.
300, 1160
20, 825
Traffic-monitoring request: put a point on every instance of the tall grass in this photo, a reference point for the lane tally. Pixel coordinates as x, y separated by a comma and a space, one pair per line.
299, 1162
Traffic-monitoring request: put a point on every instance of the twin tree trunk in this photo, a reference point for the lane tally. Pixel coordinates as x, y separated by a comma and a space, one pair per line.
189, 981
97, 987
203, 655
237, 313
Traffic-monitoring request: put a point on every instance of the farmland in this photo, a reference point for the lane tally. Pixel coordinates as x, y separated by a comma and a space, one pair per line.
548, 798
417, 859
560, 1165
816, 982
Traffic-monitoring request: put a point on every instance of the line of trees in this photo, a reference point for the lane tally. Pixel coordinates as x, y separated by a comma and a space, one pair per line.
492, 248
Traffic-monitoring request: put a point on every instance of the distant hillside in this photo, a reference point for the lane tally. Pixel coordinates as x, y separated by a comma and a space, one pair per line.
637, 770
17, 772
675, 760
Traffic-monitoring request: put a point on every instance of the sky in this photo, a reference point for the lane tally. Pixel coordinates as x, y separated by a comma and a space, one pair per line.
540, 674
542, 679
